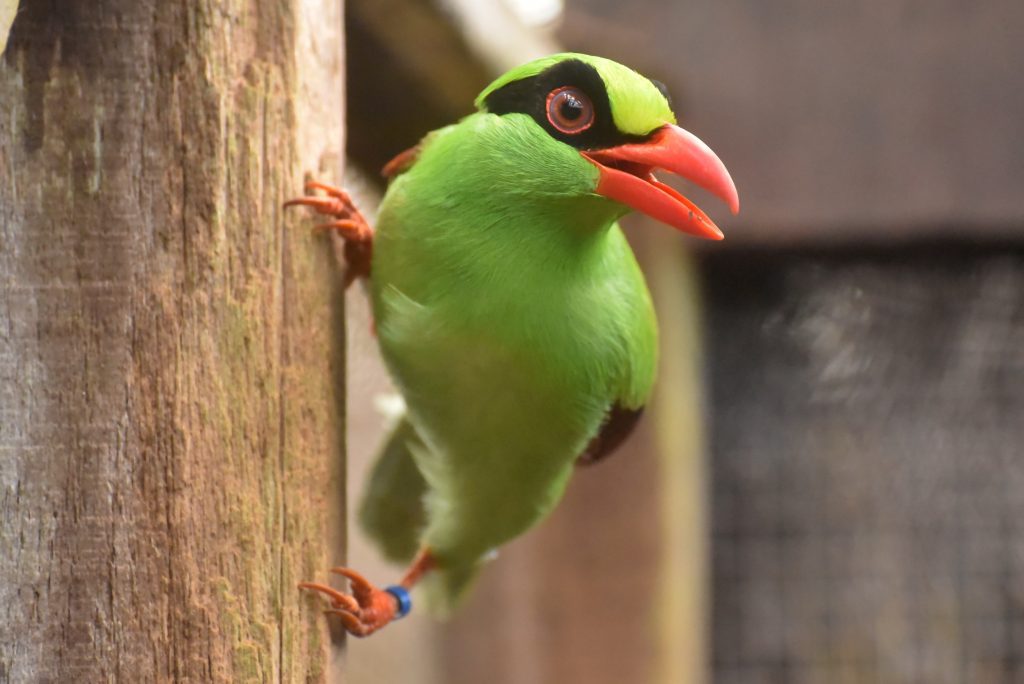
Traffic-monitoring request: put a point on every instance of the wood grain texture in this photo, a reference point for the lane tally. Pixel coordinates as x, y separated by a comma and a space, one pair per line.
167, 427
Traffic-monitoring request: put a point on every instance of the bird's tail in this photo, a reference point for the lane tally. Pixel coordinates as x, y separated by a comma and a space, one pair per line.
392, 512
446, 587
393, 515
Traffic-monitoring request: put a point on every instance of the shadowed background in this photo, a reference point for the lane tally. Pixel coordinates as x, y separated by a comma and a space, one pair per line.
827, 487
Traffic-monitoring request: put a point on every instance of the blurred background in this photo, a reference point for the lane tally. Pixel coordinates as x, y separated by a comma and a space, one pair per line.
829, 484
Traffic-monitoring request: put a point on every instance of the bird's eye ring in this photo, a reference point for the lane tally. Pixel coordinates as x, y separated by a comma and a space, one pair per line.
570, 110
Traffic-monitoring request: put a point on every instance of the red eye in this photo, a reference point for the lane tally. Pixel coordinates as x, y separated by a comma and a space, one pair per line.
570, 110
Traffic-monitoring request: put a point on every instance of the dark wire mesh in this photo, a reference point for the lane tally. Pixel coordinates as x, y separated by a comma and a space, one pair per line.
867, 466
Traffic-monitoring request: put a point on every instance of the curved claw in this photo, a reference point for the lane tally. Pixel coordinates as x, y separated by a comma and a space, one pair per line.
323, 205
349, 224
352, 576
338, 203
330, 190
362, 589
337, 599
350, 230
363, 612
352, 623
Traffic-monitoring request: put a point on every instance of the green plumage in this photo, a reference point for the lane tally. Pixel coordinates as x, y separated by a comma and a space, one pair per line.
512, 315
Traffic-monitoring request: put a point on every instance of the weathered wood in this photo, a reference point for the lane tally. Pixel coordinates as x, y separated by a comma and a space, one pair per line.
167, 426
868, 479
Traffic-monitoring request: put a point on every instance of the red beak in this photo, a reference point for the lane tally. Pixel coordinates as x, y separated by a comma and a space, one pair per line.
627, 177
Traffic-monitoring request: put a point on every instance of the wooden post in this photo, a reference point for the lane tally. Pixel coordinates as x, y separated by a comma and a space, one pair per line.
168, 429
680, 599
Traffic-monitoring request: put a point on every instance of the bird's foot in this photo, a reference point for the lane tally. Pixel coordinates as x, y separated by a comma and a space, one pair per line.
367, 608
348, 223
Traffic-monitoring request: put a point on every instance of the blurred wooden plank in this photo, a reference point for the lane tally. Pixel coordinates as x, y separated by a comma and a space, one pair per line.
572, 601
873, 120
417, 66
8, 8
613, 587
868, 484
410, 72
681, 599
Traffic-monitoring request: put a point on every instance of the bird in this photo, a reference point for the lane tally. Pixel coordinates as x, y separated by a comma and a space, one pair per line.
510, 311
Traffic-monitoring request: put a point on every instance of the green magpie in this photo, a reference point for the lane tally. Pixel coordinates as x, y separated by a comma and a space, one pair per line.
510, 311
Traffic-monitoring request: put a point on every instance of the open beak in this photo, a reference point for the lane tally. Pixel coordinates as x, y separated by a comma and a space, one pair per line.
627, 177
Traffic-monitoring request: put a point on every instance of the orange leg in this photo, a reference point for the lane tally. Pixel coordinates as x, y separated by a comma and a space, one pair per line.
348, 222
369, 608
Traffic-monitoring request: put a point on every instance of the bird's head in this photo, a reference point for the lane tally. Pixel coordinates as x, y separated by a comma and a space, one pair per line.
607, 129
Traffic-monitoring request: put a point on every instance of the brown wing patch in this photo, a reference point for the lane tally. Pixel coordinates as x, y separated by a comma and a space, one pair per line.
401, 163
616, 427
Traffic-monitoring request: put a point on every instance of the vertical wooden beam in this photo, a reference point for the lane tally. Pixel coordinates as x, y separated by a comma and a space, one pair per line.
613, 586
680, 600
166, 421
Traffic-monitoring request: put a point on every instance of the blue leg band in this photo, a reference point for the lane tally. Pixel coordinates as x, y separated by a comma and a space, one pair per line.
401, 595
